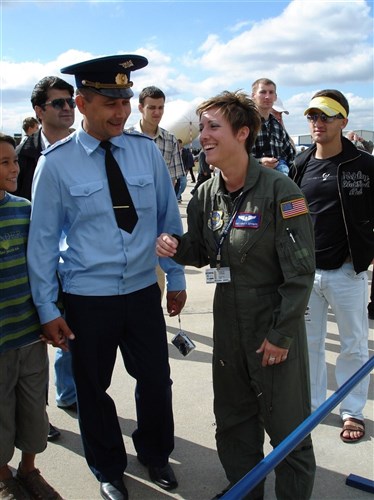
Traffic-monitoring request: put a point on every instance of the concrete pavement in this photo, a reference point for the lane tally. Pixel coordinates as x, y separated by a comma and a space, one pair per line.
194, 459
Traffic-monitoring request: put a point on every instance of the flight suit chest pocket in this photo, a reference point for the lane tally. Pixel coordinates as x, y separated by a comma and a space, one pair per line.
89, 198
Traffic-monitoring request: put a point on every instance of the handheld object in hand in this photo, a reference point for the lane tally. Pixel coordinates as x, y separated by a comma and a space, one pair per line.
182, 342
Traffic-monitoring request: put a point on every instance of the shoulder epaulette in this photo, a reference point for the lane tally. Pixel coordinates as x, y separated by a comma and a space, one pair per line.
57, 145
135, 133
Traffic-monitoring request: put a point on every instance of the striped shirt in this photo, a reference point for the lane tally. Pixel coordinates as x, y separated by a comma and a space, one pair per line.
19, 322
168, 145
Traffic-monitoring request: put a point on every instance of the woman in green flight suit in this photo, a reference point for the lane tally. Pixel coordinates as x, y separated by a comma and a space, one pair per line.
251, 225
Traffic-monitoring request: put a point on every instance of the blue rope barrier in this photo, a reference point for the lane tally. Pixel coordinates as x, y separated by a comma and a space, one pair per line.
268, 463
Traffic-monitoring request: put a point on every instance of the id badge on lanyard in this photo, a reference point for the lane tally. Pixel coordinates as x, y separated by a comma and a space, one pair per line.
218, 275
223, 274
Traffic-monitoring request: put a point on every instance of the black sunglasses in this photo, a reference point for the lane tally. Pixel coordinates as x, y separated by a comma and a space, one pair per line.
60, 103
313, 117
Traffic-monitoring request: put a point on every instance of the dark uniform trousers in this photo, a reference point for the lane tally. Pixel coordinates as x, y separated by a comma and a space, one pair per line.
100, 324
250, 399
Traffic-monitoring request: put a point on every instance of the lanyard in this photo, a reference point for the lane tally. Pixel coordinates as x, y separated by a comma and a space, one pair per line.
228, 226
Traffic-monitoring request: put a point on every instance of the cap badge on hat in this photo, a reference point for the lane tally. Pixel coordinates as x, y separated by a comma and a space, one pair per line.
121, 79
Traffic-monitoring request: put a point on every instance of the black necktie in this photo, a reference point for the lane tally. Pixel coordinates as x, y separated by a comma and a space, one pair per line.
123, 206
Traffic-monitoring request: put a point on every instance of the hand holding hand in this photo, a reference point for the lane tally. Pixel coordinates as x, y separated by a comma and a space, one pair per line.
56, 333
166, 245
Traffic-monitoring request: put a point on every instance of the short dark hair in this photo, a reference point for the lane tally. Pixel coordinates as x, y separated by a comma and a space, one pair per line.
264, 81
29, 122
40, 92
87, 93
239, 110
336, 95
7, 138
153, 92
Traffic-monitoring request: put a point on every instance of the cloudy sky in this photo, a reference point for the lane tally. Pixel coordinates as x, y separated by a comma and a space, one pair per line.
195, 50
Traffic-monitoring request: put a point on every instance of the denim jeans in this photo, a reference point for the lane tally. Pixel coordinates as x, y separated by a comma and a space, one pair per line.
347, 294
182, 187
65, 386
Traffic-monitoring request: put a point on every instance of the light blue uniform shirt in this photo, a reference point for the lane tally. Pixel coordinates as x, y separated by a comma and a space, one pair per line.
73, 228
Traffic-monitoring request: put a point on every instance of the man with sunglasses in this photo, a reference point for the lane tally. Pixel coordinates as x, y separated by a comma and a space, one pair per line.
53, 103
338, 182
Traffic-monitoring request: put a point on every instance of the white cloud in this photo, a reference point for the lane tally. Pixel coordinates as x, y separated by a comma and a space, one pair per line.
239, 26
309, 46
304, 43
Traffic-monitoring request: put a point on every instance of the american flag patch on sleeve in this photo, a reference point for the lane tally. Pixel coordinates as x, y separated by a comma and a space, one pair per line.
293, 208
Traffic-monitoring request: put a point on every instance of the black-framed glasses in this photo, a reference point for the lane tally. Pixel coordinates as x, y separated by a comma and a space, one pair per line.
60, 103
313, 117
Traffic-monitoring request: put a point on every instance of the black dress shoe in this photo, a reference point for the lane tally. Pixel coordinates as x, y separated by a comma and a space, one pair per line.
114, 490
164, 477
53, 433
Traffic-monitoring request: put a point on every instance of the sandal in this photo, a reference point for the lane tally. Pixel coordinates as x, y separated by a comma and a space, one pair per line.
351, 424
10, 489
37, 486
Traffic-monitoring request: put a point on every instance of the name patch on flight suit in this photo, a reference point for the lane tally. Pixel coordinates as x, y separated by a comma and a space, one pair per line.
293, 208
215, 220
247, 220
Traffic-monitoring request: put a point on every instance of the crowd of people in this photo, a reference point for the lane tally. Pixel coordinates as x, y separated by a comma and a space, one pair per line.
91, 223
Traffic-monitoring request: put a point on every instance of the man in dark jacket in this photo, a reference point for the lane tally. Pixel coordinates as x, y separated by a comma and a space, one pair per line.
338, 182
188, 161
53, 103
205, 173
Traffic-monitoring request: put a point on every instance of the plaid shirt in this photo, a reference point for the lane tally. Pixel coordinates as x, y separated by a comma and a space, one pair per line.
273, 140
169, 148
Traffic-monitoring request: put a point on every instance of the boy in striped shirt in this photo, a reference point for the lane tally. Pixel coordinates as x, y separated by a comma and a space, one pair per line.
23, 356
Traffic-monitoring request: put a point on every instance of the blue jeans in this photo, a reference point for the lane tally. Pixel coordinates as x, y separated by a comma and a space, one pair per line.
182, 187
347, 294
65, 386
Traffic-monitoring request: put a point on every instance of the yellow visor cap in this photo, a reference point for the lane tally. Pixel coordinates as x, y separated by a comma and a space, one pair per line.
327, 105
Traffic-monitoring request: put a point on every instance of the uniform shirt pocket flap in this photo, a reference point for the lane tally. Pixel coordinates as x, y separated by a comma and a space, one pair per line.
142, 190
86, 189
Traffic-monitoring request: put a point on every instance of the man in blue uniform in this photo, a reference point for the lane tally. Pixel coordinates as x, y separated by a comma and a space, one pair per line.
99, 234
